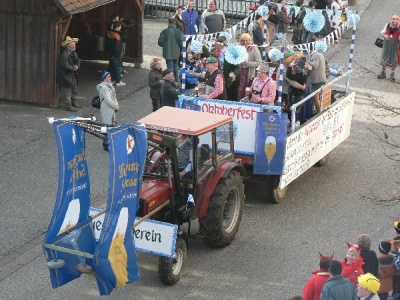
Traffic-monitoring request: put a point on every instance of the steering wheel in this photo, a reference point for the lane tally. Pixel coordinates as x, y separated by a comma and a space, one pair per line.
154, 157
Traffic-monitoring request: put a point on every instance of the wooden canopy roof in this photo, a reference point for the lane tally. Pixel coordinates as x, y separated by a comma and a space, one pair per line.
71, 7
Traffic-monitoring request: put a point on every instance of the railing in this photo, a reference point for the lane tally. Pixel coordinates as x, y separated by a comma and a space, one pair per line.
345, 75
234, 10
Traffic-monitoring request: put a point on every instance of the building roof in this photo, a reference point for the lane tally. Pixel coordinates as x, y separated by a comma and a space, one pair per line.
71, 7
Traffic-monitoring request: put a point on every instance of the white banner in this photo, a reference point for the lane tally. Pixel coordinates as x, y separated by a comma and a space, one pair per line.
244, 121
310, 143
150, 236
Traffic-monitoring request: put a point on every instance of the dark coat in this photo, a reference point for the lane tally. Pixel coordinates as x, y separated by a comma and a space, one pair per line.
114, 44
67, 76
180, 23
154, 83
371, 264
169, 93
171, 41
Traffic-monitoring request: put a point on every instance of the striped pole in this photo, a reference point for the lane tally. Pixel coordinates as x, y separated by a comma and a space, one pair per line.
264, 49
353, 38
183, 64
280, 80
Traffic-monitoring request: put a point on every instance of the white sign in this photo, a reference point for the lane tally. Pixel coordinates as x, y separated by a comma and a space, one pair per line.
244, 117
310, 143
150, 236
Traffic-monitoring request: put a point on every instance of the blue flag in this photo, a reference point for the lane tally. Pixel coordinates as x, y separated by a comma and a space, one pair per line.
68, 226
270, 143
115, 261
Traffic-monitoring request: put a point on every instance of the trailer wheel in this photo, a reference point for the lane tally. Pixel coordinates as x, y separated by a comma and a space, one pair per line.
322, 161
275, 193
219, 227
170, 269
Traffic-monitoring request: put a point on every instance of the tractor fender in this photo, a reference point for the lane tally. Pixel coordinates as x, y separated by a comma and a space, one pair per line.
222, 172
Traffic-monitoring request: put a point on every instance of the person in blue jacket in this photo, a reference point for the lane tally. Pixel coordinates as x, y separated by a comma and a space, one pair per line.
192, 72
192, 21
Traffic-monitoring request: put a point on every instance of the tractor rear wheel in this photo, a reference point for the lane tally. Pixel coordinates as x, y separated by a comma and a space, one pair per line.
219, 227
170, 269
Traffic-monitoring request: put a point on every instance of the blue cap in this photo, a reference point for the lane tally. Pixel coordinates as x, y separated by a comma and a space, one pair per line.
104, 75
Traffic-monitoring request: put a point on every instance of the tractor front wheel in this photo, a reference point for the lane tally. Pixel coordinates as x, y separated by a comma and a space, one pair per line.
170, 269
225, 210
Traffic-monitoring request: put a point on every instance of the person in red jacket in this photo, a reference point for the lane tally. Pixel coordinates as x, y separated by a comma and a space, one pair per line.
313, 288
352, 264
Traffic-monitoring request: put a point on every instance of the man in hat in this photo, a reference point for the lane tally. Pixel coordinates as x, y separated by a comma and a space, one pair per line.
337, 287
215, 86
171, 41
114, 51
170, 91
69, 64
368, 286
213, 19
263, 89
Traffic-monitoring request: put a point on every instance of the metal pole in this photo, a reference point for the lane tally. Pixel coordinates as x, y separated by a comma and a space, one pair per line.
353, 38
183, 64
280, 79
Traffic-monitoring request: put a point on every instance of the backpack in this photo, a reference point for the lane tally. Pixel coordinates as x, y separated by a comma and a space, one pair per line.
96, 102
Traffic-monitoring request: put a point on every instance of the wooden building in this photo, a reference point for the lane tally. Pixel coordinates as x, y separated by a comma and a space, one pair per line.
31, 32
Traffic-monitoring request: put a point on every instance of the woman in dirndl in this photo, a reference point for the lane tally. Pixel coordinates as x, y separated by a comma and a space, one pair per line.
248, 67
389, 55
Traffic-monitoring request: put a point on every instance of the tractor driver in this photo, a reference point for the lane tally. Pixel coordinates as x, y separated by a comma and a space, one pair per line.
185, 154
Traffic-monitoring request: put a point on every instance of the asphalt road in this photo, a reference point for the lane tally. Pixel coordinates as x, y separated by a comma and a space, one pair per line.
277, 245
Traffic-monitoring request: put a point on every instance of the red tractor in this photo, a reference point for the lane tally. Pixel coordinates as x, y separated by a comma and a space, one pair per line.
188, 176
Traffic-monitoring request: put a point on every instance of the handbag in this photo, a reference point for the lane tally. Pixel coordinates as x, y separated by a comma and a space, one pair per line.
379, 42
96, 102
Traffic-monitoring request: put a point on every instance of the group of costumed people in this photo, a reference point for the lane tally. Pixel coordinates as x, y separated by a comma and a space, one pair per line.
362, 274
243, 76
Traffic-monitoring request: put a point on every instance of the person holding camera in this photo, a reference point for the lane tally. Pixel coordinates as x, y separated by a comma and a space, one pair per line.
109, 103
192, 72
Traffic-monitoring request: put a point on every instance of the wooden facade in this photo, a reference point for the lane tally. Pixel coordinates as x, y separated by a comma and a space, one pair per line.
31, 32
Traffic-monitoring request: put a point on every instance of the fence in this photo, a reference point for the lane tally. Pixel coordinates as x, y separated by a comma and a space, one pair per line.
234, 10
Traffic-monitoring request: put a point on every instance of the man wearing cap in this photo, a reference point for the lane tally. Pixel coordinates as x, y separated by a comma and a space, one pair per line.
213, 19
170, 91
337, 287
386, 270
215, 85
170, 40
263, 89
368, 286
69, 64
